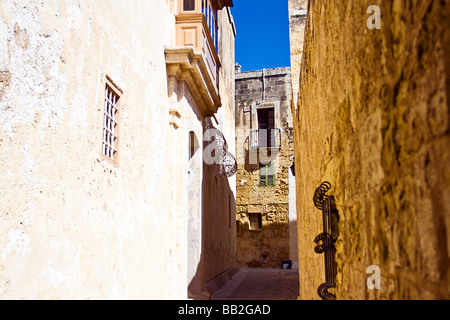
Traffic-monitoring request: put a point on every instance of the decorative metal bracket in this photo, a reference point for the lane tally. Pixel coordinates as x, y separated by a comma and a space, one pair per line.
227, 162
326, 240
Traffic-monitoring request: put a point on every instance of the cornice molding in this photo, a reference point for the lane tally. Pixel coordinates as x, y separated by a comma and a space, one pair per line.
186, 65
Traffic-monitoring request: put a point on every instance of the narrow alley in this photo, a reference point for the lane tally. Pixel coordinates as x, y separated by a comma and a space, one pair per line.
261, 284
192, 150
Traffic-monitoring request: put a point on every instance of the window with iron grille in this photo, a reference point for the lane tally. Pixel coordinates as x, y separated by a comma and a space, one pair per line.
111, 122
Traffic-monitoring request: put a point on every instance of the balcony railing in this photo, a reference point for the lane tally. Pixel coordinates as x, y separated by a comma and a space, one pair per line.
265, 138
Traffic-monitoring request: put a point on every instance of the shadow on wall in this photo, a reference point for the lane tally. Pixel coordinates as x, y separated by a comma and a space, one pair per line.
217, 258
293, 243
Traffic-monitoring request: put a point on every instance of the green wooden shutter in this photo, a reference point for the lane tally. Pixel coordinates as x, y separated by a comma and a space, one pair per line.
263, 175
270, 174
266, 174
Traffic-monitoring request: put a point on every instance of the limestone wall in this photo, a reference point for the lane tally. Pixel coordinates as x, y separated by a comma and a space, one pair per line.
74, 226
373, 120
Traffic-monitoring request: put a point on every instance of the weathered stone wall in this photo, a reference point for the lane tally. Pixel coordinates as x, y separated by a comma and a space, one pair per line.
218, 259
373, 120
74, 226
268, 246
297, 23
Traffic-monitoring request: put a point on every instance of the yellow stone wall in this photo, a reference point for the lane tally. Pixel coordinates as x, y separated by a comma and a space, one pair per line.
270, 245
373, 120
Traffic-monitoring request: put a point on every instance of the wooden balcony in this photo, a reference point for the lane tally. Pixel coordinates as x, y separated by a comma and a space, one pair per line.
192, 30
194, 57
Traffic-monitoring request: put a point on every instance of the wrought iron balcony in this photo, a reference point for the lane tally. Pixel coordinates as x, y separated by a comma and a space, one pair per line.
265, 139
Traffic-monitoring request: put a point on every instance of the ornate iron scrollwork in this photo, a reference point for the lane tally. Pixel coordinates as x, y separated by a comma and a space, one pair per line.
228, 166
323, 291
320, 194
227, 162
325, 241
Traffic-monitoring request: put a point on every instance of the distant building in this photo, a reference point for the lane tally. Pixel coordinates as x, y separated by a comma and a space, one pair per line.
265, 201
104, 190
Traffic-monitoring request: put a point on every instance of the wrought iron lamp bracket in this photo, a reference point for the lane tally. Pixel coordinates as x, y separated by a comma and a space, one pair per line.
326, 240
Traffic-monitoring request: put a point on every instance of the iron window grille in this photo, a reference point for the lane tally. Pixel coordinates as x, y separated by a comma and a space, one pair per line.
111, 122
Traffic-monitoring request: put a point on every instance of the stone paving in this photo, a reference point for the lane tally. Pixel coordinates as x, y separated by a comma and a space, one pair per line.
260, 284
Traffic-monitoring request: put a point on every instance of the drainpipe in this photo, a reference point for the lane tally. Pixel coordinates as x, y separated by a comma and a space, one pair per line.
263, 98
263, 87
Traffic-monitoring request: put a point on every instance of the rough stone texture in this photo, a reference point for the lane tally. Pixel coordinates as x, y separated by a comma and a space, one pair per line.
373, 119
297, 23
269, 246
73, 226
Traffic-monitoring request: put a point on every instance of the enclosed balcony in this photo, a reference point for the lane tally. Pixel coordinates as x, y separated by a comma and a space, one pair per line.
195, 58
197, 26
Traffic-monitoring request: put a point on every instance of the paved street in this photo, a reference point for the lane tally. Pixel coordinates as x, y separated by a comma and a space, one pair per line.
261, 284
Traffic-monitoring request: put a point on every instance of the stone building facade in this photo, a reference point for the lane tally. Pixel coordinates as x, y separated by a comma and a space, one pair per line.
266, 221
297, 23
104, 190
373, 120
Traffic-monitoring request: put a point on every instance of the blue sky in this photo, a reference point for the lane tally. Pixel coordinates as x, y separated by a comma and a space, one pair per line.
262, 39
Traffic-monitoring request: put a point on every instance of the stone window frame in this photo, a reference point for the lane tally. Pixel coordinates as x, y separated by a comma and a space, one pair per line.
111, 121
266, 105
